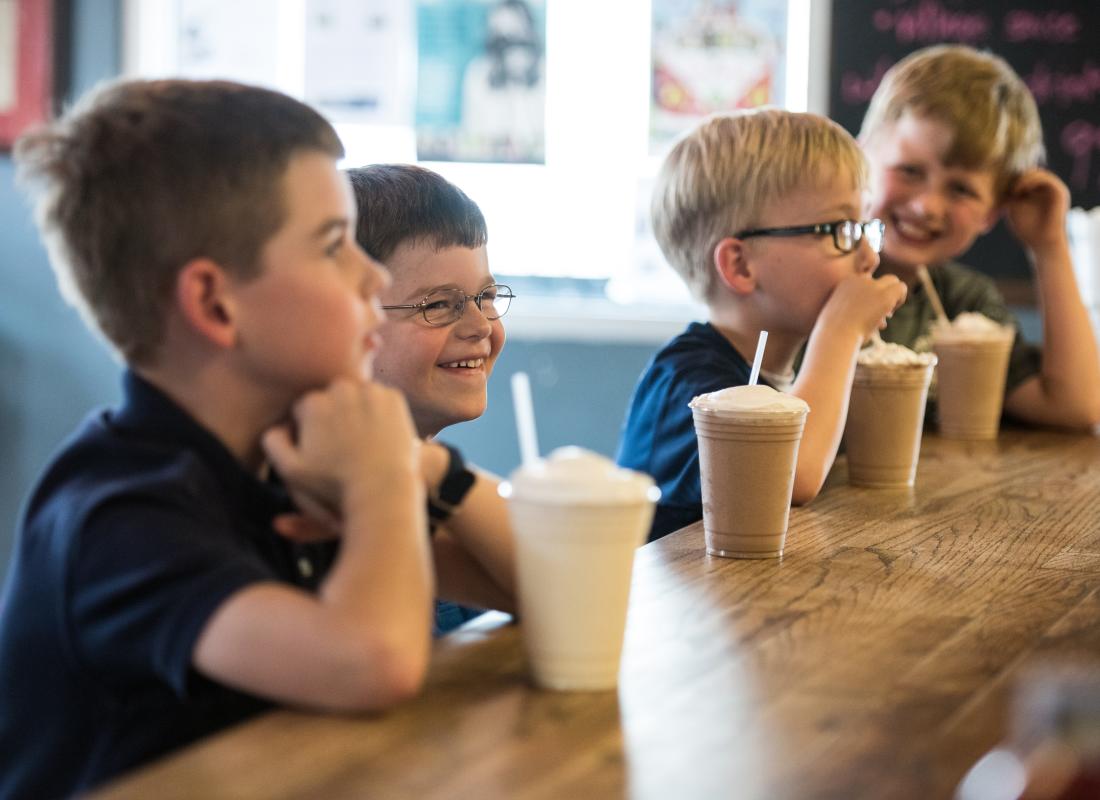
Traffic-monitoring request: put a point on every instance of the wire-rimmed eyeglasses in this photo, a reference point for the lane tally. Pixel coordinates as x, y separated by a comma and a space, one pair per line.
444, 306
846, 233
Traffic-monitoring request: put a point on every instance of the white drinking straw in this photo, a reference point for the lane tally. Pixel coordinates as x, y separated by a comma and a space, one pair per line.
758, 358
933, 295
525, 418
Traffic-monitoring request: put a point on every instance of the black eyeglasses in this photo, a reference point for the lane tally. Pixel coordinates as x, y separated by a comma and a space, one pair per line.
847, 233
444, 306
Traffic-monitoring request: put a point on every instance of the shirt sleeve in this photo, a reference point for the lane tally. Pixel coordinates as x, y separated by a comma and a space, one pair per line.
972, 291
144, 582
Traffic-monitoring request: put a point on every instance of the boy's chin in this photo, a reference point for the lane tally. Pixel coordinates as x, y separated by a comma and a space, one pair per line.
445, 418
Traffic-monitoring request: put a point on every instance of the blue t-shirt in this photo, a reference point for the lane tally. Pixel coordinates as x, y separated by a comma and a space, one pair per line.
659, 435
137, 532
450, 615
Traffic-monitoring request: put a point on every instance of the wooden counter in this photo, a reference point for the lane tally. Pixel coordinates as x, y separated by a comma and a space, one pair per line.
875, 660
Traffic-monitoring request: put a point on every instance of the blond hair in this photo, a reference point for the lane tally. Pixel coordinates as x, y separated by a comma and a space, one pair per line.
989, 109
721, 175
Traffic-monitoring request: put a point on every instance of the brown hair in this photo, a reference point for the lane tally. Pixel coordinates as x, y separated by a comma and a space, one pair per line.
723, 173
404, 203
991, 113
143, 176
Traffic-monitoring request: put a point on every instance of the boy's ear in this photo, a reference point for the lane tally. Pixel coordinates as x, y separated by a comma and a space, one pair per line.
205, 302
732, 266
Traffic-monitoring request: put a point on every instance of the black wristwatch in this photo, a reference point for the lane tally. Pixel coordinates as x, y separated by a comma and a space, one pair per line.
457, 481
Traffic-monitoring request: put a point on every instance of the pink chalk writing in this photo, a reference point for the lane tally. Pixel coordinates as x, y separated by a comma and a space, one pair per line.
931, 22
856, 89
1079, 139
1041, 26
1064, 88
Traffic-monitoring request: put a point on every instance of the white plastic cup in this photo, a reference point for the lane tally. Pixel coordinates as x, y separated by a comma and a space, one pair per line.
577, 519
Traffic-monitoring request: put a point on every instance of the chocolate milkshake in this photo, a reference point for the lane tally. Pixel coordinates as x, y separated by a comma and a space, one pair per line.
973, 356
886, 415
748, 448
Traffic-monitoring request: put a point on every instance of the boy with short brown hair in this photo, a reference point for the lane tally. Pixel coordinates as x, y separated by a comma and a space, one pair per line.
444, 327
954, 142
760, 213
205, 230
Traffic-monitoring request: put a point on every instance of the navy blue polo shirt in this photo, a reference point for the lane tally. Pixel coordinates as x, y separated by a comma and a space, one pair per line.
658, 437
139, 529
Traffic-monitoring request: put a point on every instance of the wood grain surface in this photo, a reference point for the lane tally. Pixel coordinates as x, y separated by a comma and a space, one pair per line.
877, 659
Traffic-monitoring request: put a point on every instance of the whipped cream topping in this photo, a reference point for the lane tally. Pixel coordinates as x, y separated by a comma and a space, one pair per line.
880, 353
972, 325
578, 476
757, 399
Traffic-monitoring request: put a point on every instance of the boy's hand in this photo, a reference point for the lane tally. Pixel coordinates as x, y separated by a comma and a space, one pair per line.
1036, 208
350, 434
863, 303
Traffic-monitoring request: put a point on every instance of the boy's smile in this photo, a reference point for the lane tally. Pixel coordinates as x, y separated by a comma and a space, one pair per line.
443, 370
932, 212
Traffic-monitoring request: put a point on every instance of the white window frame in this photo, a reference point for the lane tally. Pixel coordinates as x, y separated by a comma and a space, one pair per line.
580, 205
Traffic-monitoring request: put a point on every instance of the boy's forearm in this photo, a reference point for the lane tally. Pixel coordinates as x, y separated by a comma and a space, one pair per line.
361, 644
461, 578
824, 382
482, 526
1070, 375
480, 523
382, 579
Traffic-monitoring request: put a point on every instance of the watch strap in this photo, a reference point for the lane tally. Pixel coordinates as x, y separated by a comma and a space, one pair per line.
452, 490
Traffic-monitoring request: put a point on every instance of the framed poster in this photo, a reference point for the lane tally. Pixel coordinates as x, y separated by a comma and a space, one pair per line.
27, 38
713, 55
481, 81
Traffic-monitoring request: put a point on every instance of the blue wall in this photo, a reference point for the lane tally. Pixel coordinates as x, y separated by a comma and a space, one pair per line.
579, 392
53, 369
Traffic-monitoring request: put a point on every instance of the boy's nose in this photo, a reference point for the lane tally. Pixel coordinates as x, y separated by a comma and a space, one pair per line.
473, 324
929, 204
868, 259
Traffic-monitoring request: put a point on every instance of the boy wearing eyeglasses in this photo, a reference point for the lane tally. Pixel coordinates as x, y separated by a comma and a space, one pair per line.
443, 330
759, 213
954, 141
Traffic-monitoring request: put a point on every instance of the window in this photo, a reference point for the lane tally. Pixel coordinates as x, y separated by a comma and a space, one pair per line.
577, 224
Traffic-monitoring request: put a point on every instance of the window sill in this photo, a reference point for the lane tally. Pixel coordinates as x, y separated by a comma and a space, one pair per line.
598, 320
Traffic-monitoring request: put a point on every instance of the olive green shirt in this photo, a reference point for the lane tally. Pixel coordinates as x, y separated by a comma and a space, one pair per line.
961, 289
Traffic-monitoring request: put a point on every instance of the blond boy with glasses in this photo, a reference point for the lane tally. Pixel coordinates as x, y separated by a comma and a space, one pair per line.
760, 214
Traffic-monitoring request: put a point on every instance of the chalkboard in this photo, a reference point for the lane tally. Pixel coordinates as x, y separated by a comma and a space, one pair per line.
1054, 45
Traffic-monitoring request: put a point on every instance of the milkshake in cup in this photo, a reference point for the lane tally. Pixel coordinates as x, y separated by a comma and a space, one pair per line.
973, 362
886, 415
577, 519
748, 448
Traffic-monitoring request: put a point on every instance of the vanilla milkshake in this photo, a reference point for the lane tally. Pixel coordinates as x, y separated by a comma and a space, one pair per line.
973, 353
578, 518
748, 449
886, 415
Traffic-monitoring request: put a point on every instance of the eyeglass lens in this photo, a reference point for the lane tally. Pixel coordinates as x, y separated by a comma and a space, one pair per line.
448, 305
848, 234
